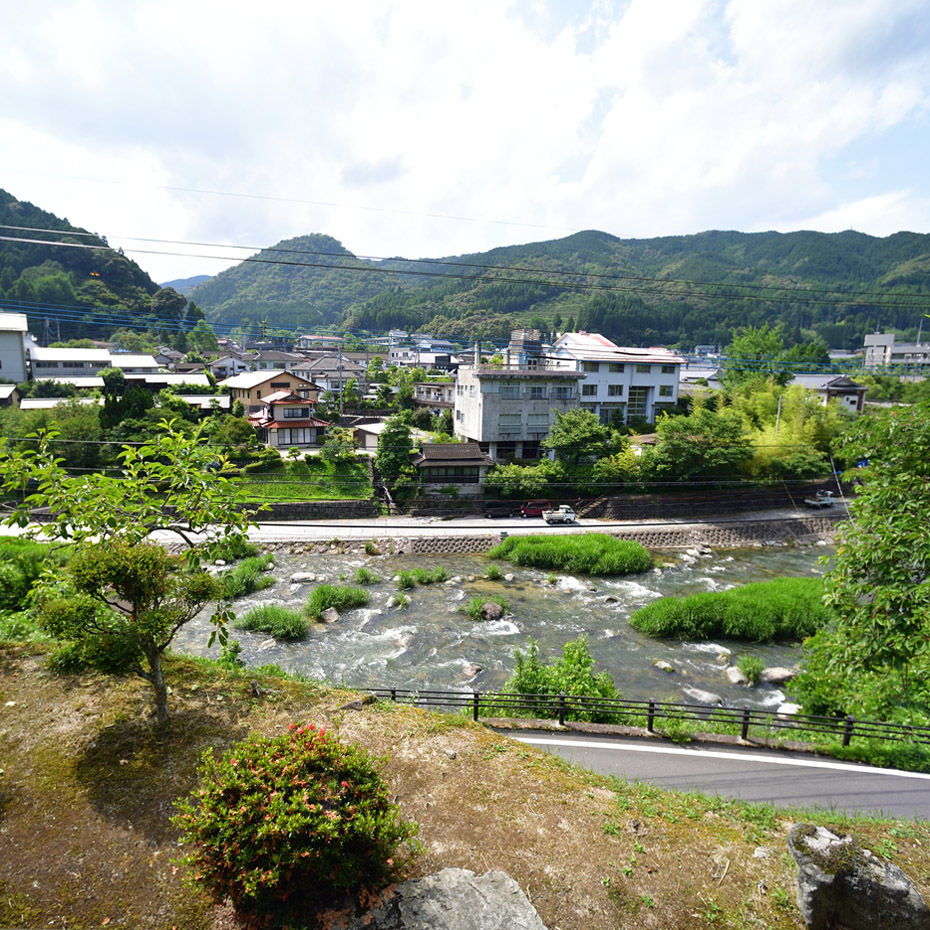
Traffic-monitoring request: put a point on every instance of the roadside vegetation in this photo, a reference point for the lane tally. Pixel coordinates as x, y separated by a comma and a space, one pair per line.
584, 554
308, 480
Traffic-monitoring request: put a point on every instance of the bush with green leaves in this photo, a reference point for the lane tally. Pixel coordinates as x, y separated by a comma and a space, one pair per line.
247, 577
580, 554
342, 597
573, 673
231, 549
21, 564
280, 622
781, 609
287, 826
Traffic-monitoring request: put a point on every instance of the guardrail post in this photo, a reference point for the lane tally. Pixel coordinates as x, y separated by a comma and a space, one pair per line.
744, 734
476, 701
848, 729
651, 717
561, 708
394, 695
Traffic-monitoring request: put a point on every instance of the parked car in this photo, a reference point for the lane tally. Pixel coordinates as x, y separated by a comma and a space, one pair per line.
535, 508
564, 514
497, 509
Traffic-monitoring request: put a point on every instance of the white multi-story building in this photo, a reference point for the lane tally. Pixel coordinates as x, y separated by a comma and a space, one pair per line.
13, 328
620, 384
508, 410
881, 351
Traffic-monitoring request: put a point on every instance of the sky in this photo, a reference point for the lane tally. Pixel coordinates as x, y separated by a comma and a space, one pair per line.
425, 129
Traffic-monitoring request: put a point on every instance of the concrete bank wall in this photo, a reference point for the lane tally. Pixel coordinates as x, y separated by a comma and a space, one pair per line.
722, 535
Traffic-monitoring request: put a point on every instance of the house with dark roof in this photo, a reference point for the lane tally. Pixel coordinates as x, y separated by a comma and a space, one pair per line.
331, 372
451, 463
251, 386
285, 419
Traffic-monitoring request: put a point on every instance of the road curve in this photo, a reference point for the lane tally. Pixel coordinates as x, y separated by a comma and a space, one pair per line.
785, 779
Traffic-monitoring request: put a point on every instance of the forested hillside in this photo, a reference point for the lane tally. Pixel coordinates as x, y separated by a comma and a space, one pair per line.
677, 290
83, 293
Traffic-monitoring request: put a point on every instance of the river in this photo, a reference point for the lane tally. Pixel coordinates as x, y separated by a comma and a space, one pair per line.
431, 644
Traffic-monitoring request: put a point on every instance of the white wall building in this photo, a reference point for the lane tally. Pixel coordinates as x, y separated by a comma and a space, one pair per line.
68, 363
509, 410
619, 382
13, 328
881, 351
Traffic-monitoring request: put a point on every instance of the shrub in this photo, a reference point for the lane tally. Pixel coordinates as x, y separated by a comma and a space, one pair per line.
366, 576
280, 622
573, 673
752, 667
784, 608
587, 554
473, 608
289, 825
342, 597
232, 549
21, 563
247, 577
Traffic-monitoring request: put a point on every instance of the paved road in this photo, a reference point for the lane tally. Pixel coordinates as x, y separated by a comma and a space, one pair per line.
781, 778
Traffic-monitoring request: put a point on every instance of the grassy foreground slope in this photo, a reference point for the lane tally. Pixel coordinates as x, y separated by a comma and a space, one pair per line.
87, 789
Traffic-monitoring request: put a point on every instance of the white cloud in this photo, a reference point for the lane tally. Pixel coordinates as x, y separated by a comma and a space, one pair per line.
638, 118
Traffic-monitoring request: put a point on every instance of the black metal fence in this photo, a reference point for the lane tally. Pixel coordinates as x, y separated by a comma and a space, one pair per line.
619, 711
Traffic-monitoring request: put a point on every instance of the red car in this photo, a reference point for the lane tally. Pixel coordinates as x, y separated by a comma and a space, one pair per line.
535, 508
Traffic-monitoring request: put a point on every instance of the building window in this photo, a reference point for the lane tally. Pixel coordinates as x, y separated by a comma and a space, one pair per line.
589, 366
537, 392
296, 413
562, 393
537, 419
665, 390
668, 369
643, 369
509, 419
615, 390
510, 390
458, 415
615, 367
588, 390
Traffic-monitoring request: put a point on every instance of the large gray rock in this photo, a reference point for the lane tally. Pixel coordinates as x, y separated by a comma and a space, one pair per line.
490, 610
330, 615
455, 899
777, 675
842, 886
699, 696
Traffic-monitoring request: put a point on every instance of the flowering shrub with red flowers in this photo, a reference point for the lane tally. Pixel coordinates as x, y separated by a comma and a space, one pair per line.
287, 826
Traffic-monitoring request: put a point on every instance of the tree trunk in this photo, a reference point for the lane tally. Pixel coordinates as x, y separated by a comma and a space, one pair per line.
157, 681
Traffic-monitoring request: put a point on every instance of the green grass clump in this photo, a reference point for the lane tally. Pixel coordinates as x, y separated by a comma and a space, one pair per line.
437, 575
280, 622
472, 609
405, 580
342, 597
366, 576
785, 609
247, 577
752, 667
587, 554
493, 573
21, 563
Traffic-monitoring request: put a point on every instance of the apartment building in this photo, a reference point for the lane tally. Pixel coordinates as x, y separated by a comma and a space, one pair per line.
881, 351
13, 327
621, 384
509, 410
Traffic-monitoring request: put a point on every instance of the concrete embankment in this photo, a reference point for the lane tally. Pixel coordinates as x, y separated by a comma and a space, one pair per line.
727, 533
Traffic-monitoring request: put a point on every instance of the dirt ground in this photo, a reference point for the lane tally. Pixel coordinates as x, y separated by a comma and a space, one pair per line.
88, 785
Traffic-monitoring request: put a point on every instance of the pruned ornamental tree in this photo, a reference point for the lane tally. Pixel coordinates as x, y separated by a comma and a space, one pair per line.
879, 583
123, 597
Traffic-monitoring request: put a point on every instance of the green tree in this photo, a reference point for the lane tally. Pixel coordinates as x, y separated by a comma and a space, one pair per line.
879, 582
705, 444
338, 445
577, 436
392, 458
202, 339
122, 587
755, 352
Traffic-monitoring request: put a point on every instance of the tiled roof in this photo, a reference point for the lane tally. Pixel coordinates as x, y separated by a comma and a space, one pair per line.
457, 453
268, 423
